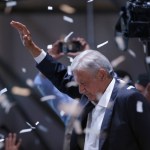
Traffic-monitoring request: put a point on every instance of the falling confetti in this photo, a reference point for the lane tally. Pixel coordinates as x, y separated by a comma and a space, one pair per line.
37, 123
3, 91
72, 83
20, 91
117, 61
68, 19
90, 1
70, 59
132, 53
77, 126
50, 8
1, 140
25, 130
148, 60
139, 107
130, 87
69, 70
100, 45
30, 125
30, 82
11, 3
49, 97
50, 46
67, 37
24, 70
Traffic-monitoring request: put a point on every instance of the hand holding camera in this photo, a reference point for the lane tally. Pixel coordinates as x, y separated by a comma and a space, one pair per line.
70, 48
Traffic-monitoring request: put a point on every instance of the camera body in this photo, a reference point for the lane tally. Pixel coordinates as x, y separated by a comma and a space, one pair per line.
71, 46
135, 21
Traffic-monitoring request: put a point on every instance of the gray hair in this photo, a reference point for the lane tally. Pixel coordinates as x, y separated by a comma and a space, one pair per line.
91, 60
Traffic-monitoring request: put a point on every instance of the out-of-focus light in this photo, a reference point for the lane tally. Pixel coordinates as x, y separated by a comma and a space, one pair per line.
67, 9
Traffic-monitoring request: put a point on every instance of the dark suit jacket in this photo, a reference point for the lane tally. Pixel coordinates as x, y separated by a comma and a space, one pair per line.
126, 124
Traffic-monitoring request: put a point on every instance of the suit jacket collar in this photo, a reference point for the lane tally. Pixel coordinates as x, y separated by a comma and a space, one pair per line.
108, 116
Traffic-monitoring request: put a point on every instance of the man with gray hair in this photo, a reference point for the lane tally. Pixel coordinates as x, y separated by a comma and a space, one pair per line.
115, 117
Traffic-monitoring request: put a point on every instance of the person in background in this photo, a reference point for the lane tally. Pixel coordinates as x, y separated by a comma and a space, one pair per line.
115, 117
11, 142
143, 85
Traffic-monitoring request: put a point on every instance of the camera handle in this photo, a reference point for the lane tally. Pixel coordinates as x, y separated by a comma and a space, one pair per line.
146, 47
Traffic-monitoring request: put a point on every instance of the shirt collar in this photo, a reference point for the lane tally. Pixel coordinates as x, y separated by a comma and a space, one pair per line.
104, 99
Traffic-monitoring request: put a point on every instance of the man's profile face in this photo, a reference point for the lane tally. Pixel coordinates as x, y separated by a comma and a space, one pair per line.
88, 83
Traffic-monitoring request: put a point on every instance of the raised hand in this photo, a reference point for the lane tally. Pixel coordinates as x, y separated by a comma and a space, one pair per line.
11, 142
26, 38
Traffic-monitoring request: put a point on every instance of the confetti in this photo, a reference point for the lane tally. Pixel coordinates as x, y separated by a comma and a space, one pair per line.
50, 8
50, 46
90, 1
24, 70
1, 140
72, 83
11, 3
30, 125
49, 97
70, 59
100, 45
30, 82
68, 19
132, 53
148, 59
25, 130
130, 87
117, 61
3, 91
67, 37
72, 109
139, 107
20, 91
37, 123
77, 126
69, 70
62, 113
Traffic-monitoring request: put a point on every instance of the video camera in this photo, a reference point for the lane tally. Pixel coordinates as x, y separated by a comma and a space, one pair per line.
71, 46
134, 19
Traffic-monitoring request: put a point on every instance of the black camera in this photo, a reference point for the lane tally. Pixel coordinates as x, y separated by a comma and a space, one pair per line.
71, 46
135, 19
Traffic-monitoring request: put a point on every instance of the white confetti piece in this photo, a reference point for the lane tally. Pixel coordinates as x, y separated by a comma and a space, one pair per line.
25, 130
72, 109
50, 46
139, 107
3, 91
11, 4
69, 70
100, 45
70, 59
24, 70
20, 91
49, 97
131, 52
117, 61
68, 19
62, 113
30, 125
148, 59
37, 123
1, 140
30, 82
130, 87
77, 126
67, 37
50, 8
72, 83
90, 1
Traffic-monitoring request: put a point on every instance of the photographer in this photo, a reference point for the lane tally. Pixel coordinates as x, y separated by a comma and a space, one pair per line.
115, 117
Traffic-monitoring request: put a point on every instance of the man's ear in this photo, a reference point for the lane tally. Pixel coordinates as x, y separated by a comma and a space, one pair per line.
101, 74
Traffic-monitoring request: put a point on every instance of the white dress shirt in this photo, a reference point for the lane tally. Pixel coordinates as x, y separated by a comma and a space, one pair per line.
39, 58
95, 119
